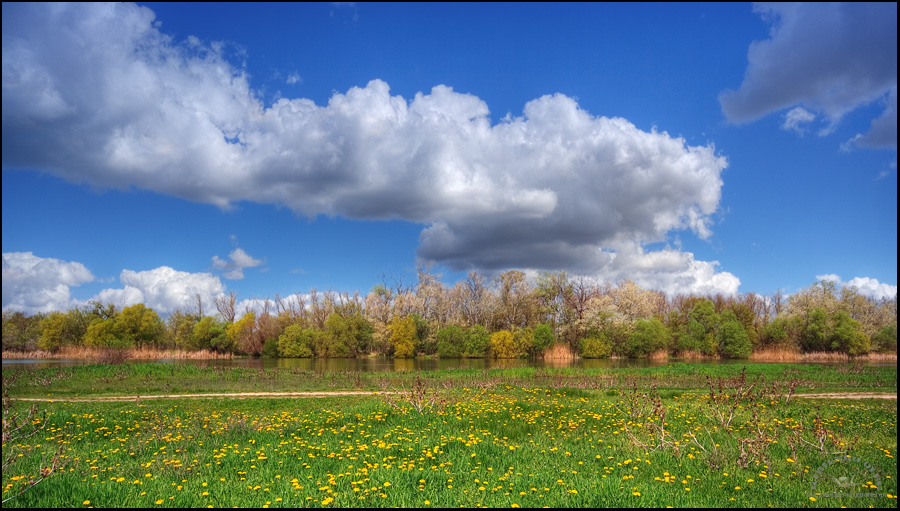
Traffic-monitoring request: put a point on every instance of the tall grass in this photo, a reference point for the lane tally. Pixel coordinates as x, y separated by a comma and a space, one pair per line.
787, 355
88, 353
560, 351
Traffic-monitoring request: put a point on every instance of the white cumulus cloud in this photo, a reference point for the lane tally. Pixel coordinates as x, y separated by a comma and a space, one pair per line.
33, 284
826, 57
235, 267
164, 290
865, 285
96, 93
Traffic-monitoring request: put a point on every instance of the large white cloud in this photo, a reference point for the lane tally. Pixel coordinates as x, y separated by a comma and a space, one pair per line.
164, 290
96, 93
829, 58
34, 284
866, 286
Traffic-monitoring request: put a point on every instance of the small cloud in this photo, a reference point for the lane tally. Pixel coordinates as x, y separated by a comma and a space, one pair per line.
300, 271
235, 268
892, 169
829, 277
796, 119
294, 78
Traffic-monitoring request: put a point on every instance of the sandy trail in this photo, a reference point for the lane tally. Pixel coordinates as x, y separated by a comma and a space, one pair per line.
339, 393
850, 395
232, 395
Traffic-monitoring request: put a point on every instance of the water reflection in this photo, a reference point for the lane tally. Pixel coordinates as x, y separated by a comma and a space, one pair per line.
396, 365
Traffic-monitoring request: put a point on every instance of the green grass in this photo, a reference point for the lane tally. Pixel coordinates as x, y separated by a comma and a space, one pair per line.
155, 379
555, 438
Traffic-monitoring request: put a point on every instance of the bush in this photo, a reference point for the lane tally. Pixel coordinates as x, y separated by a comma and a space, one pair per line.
476, 342
296, 342
885, 339
403, 337
450, 342
733, 339
597, 346
543, 338
502, 344
270, 348
648, 336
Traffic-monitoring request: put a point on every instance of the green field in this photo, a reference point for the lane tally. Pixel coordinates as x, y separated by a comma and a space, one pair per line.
502, 438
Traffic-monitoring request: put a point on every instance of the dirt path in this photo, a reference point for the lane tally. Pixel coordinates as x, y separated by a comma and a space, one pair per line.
233, 395
850, 395
275, 395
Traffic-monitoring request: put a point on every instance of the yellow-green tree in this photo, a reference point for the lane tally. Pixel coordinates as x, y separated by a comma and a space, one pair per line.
503, 344
403, 337
101, 333
139, 325
242, 334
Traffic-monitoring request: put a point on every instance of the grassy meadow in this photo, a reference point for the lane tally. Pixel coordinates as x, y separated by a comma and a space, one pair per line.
683, 435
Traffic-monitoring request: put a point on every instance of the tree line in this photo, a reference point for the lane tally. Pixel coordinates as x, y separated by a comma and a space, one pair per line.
508, 316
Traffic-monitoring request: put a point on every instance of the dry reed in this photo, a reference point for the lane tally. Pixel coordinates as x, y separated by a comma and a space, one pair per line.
560, 351
87, 353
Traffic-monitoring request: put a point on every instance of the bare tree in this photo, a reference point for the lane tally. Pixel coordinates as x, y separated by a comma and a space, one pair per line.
225, 304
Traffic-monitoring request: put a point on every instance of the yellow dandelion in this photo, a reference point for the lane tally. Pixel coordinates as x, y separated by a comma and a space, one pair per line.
87, 502
158, 502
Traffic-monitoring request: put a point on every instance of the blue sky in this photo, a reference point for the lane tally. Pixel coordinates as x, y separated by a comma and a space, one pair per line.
155, 151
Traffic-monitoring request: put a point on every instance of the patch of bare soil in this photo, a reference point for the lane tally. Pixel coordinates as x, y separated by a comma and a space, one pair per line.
850, 395
274, 395
235, 395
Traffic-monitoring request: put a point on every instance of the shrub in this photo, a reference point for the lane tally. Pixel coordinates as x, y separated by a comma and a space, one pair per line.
476, 342
450, 340
648, 336
502, 344
596, 346
733, 339
296, 342
543, 338
403, 337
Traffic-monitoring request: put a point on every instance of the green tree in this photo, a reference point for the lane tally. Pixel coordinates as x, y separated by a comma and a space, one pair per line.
242, 334
296, 342
701, 329
846, 335
179, 328
814, 336
65, 329
209, 334
21, 332
53, 332
523, 342
403, 337
595, 345
648, 336
101, 333
734, 342
139, 325
476, 343
543, 338
450, 341
885, 339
